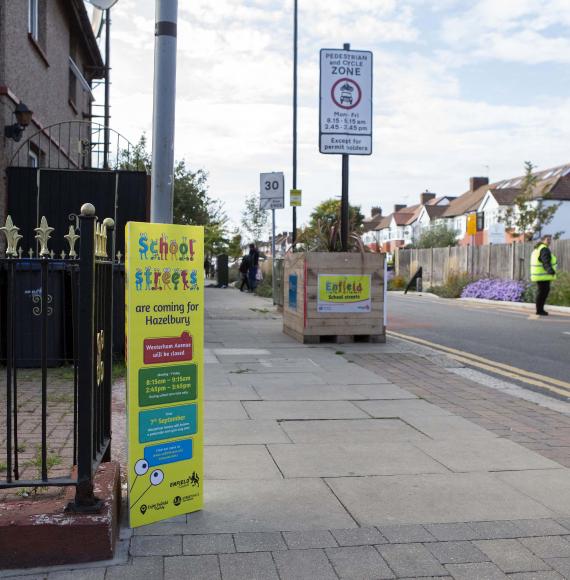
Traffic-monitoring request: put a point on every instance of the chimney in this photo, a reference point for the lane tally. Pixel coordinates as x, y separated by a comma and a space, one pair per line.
426, 196
375, 211
477, 182
399, 207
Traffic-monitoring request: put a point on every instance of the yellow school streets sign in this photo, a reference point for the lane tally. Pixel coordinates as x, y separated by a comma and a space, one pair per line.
165, 375
344, 293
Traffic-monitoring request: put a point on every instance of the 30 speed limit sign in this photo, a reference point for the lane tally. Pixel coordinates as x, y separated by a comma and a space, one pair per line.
272, 190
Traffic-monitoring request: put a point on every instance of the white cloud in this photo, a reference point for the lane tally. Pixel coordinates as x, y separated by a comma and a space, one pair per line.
234, 93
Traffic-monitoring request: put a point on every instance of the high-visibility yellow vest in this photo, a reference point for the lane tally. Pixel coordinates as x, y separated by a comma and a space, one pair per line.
537, 271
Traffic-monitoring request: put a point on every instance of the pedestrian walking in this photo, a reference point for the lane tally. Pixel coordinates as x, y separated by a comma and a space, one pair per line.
207, 267
543, 264
253, 266
243, 272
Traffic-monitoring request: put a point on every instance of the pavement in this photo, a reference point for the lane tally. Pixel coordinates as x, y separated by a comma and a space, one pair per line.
356, 461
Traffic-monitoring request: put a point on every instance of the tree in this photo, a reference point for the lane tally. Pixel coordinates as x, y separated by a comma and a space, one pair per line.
328, 212
529, 215
253, 219
324, 230
439, 236
235, 246
191, 204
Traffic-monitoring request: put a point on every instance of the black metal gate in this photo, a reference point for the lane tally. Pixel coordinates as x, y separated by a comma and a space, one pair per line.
88, 278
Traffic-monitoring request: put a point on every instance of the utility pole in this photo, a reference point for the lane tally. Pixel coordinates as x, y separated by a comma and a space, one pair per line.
295, 35
162, 182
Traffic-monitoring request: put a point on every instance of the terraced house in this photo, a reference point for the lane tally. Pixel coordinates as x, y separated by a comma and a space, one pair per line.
487, 202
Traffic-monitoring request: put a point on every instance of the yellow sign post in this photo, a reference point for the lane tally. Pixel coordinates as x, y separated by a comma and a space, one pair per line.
165, 341
295, 197
471, 224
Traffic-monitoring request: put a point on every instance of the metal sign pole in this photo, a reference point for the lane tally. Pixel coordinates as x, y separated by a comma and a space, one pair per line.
162, 181
273, 254
344, 207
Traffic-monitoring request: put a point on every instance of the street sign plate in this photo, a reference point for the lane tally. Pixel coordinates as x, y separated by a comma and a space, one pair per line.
295, 198
272, 190
345, 102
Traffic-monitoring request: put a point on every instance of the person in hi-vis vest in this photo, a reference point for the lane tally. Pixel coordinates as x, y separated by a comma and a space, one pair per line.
542, 271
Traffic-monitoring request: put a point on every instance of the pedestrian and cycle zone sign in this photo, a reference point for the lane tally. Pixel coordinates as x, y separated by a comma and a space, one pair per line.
165, 338
345, 102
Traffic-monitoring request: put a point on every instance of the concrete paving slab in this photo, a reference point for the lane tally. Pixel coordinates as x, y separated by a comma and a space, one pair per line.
550, 487
198, 544
351, 375
224, 410
336, 459
382, 391
447, 427
548, 547
259, 542
433, 498
561, 565
411, 560
241, 351
254, 566
239, 462
294, 392
359, 563
480, 571
229, 393
243, 432
511, 556
456, 552
358, 537
195, 567
303, 564
269, 505
306, 393
283, 379
303, 410
351, 431
477, 455
404, 408
310, 539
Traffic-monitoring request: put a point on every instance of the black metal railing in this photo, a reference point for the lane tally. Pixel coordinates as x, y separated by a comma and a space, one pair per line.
76, 288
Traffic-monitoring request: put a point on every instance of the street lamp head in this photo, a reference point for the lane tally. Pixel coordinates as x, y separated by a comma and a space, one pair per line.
23, 118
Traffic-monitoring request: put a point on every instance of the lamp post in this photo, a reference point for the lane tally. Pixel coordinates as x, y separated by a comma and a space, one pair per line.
162, 181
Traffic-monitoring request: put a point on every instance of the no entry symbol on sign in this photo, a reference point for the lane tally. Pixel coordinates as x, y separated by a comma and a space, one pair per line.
346, 93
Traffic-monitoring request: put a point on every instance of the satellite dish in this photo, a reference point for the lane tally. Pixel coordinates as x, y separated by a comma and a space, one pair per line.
103, 4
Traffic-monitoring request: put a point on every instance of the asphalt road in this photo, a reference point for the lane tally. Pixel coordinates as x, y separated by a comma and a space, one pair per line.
497, 332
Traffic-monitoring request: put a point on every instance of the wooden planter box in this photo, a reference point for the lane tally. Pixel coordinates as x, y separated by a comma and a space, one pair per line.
334, 297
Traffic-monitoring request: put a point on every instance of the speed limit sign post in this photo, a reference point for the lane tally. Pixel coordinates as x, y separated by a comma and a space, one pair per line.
272, 196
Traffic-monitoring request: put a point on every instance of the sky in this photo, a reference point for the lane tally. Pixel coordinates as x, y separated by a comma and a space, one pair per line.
460, 89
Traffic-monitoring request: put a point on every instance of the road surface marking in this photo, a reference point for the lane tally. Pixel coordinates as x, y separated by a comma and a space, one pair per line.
549, 383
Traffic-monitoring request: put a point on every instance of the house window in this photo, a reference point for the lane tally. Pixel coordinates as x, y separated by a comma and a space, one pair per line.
480, 221
33, 159
33, 19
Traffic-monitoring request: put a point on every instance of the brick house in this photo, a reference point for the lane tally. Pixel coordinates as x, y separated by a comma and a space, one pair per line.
48, 59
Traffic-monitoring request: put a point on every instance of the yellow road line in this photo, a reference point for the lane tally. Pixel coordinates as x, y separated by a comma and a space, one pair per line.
550, 383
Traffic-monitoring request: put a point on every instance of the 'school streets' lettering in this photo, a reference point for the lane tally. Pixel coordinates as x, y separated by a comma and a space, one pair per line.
154, 277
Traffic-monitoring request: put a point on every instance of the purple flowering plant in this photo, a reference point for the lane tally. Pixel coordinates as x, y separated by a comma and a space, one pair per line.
496, 289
